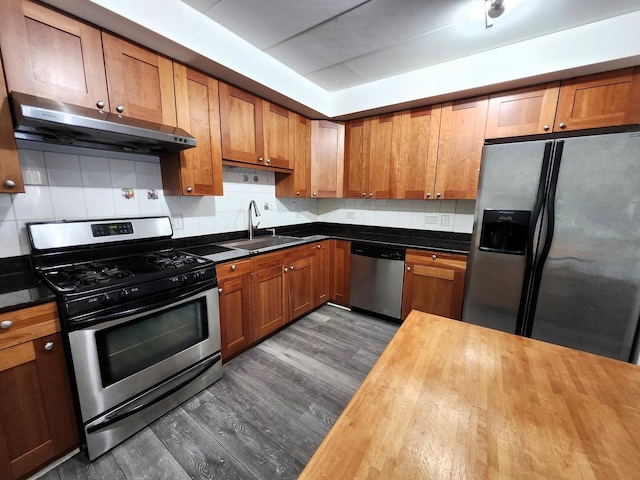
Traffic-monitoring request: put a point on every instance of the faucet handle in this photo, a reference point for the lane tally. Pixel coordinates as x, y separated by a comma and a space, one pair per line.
272, 230
255, 227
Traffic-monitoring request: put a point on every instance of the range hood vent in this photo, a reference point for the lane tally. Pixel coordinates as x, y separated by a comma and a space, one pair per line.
46, 120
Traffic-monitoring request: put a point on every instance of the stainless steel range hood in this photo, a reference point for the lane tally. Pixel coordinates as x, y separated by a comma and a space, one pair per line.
45, 120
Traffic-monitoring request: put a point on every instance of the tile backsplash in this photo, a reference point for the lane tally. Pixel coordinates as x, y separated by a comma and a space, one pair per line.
62, 186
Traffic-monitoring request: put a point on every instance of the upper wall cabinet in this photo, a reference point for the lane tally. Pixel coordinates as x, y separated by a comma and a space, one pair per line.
460, 148
298, 183
10, 172
278, 125
602, 100
356, 157
418, 152
51, 55
140, 81
526, 111
195, 171
327, 159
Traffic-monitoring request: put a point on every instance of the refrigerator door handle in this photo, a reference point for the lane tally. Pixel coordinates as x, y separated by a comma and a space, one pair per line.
530, 253
546, 244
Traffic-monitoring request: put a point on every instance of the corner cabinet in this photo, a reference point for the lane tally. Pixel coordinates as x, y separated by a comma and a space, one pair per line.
37, 420
236, 326
10, 171
433, 283
198, 170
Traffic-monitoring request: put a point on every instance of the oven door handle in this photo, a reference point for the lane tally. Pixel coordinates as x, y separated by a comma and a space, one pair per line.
154, 396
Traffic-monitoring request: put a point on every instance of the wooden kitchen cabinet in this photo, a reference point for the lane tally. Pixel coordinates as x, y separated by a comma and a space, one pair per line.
37, 420
10, 171
420, 128
340, 274
298, 182
460, 145
322, 269
433, 283
299, 289
601, 100
52, 55
278, 125
195, 171
371, 156
236, 326
140, 81
327, 159
525, 111
267, 293
241, 125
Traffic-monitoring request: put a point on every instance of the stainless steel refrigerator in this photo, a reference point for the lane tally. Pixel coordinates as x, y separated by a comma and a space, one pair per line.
555, 250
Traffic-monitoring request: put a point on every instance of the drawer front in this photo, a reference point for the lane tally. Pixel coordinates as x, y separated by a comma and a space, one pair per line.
27, 324
228, 270
436, 259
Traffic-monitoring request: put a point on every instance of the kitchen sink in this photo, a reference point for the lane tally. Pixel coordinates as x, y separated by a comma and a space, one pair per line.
261, 242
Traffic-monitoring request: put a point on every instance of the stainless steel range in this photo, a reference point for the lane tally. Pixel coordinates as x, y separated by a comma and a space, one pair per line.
140, 320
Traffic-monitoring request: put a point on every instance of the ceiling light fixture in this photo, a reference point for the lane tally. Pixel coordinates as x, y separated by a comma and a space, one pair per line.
493, 9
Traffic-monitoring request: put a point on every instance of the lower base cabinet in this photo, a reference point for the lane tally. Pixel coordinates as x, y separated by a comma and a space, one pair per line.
433, 283
37, 419
340, 271
234, 287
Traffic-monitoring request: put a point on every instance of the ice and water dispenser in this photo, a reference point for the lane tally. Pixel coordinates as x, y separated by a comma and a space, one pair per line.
505, 231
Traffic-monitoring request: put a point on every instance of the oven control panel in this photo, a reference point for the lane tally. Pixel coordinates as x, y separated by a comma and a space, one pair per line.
109, 229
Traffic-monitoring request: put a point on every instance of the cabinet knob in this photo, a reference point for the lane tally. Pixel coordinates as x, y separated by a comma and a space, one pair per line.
291, 267
268, 160
428, 194
6, 324
562, 125
408, 268
189, 189
318, 246
364, 194
9, 183
438, 194
120, 108
545, 128
48, 346
298, 194
315, 194
233, 268
260, 159
100, 104
219, 290
433, 257
286, 270
371, 194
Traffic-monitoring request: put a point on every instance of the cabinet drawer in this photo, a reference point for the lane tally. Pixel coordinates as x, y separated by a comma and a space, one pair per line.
436, 259
233, 269
28, 324
267, 260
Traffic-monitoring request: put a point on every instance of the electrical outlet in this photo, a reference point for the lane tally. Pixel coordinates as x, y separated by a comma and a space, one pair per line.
267, 206
351, 215
431, 220
178, 222
444, 220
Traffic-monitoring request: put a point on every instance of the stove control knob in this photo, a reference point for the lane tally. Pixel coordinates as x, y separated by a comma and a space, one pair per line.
197, 275
183, 279
106, 298
124, 293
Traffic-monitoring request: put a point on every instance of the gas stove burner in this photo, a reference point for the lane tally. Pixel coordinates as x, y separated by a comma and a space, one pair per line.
170, 260
94, 273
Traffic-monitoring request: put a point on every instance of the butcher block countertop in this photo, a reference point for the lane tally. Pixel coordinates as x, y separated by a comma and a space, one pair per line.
453, 400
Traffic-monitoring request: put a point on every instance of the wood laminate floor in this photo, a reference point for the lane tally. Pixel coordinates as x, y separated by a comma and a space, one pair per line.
264, 419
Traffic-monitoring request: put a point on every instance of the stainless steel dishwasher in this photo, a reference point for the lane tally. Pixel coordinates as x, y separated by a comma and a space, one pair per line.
377, 273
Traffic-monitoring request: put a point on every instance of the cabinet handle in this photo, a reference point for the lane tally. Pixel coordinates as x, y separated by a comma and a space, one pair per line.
318, 246
433, 257
233, 268
9, 183
371, 194
562, 125
268, 160
315, 194
100, 104
291, 267
408, 268
428, 194
298, 194
364, 194
48, 346
545, 128
120, 108
6, 324
438, 194
220, 291
260, 159
286, 270
189, 189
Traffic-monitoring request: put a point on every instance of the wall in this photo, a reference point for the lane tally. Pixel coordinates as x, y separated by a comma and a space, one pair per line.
62, 186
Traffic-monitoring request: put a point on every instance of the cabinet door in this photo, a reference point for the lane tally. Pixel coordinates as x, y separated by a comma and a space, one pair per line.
297, 184
356, 158
10, 171
383, 158
140, 81
526, 111
327, 159
433, 283
418, 152
267, 294
340, 276
299, 291
241, 125
195, 171
460, 148
278, 128
49, 54
602, 100
235, 315
37, 422
322, 267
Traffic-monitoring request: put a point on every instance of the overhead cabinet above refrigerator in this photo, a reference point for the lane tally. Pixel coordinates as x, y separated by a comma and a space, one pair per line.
555, 252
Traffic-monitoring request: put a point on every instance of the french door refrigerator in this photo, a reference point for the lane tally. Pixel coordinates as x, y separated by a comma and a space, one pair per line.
555, 250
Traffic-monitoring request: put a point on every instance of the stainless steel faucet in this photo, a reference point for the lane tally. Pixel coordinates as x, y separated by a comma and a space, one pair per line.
250, 227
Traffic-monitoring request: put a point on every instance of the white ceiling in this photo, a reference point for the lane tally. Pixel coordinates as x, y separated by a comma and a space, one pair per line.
347, 58
344, 43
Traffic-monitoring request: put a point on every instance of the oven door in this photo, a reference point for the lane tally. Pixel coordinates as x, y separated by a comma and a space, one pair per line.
118, 360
